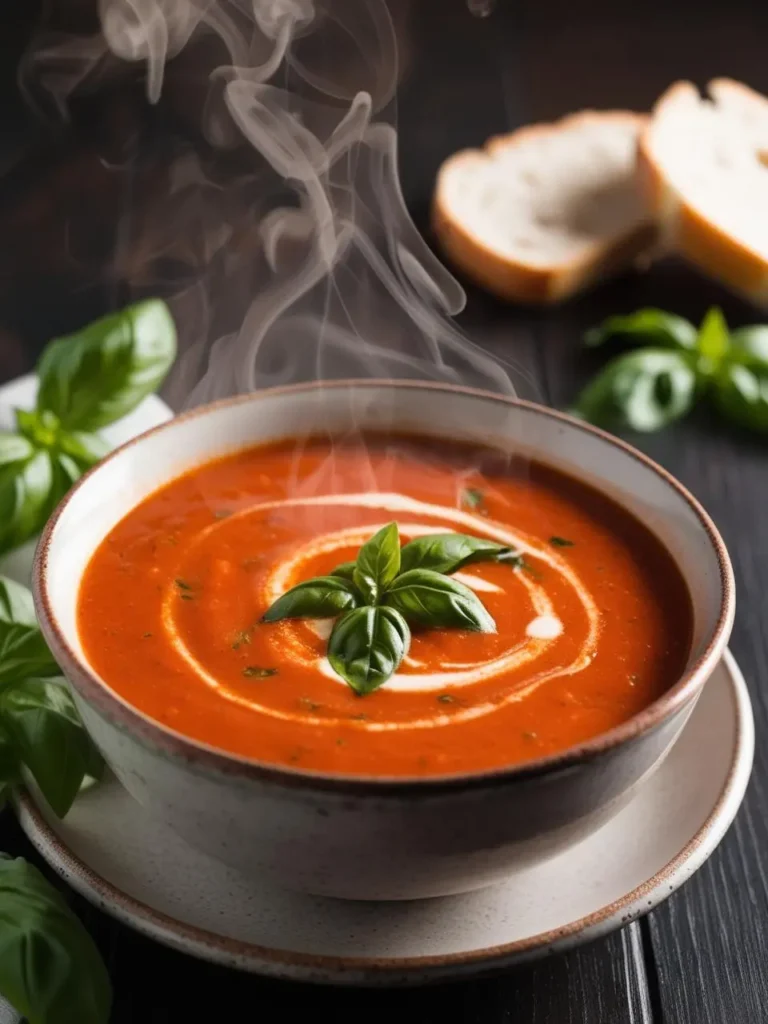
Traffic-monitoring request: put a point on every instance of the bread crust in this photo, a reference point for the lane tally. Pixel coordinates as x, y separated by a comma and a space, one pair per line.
514, 280
683, 227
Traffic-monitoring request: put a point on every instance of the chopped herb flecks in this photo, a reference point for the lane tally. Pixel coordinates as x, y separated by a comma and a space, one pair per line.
560, 542
145, 635
242, 637
183, 585
256, 672
309, 704
446, 698
187, 597
474, 499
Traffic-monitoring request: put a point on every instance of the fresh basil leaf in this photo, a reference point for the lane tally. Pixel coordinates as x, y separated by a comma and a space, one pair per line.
16, 604
643, 391
367, 646
448, 552
741, 395
346, 570
378, 562
27, 497
23, 651
14, 448
50, 969
750, 344
323, 597
98, 375
649, 325
50, 739
712, 342
85, 449
427, 598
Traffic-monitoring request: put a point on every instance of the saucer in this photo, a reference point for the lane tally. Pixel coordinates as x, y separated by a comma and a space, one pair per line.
135, 868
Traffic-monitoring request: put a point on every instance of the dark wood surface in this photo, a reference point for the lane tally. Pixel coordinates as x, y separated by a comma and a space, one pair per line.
700, 958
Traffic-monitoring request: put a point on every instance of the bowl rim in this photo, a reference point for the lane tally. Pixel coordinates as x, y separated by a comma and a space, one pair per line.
198, 755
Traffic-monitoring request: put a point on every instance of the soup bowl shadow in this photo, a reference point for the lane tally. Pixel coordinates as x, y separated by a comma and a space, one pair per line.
379, 838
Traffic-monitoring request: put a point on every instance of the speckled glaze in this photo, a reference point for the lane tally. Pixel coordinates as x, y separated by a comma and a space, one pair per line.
136, 868
362, 838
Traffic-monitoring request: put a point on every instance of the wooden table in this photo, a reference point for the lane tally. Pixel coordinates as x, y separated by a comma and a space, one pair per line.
700, 958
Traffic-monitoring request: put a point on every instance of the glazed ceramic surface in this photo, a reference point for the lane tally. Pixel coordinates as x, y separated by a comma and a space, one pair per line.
378, 838
137, 869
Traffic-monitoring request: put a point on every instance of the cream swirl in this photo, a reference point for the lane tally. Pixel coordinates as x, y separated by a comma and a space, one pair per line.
542, 631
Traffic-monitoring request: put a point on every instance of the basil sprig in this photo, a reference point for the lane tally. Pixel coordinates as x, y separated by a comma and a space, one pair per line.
40, 729
650, 388
383, 591
86, 381
50, 969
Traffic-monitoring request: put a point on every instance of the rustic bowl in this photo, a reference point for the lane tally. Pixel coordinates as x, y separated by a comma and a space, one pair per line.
379, 838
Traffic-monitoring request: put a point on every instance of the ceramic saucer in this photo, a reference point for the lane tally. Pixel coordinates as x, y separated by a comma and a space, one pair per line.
134, 868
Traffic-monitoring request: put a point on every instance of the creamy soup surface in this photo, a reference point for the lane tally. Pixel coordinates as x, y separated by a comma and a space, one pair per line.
594, 626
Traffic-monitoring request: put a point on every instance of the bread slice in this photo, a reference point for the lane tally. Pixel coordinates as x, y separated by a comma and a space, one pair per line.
540, 214
702, 167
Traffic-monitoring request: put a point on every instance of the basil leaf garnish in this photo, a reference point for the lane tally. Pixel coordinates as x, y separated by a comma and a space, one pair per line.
427, 598
84, 448
741, 395
712, 342
650, 325
14, 448
346, 570
23, 651
49, 738
448, 552
643, 391
50, 969
99, 374
378, 563
367, 645
16, 604
318, 598
749, 345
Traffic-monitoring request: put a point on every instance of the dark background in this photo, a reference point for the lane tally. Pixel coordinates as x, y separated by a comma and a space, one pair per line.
700, 958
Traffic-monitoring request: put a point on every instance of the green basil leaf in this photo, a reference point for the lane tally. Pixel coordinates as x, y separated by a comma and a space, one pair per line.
346, 570
50, 969
28, 495
23, 651
429, 599
85, 449
741, 395
647, 325
367, 646
16, 604
643, 391
448, 552
14, 448
50, 739
323, 597
98, 375
750, 345
712, 341
378, 562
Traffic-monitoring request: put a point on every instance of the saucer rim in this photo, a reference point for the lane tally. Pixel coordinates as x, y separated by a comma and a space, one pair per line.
282, 963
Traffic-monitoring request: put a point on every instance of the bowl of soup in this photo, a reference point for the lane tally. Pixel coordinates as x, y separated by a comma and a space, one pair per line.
604, 609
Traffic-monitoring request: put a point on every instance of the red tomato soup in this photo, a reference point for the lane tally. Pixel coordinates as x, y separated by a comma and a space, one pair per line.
593, 621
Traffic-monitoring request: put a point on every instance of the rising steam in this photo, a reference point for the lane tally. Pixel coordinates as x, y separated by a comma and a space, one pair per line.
301, 259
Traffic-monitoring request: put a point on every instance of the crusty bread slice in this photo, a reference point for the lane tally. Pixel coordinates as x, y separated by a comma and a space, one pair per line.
540, 214
701, 166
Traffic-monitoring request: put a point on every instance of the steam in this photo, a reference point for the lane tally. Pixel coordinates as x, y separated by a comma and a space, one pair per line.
294, 257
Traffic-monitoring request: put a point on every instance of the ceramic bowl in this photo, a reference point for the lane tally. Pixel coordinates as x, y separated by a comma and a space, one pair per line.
379, 838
